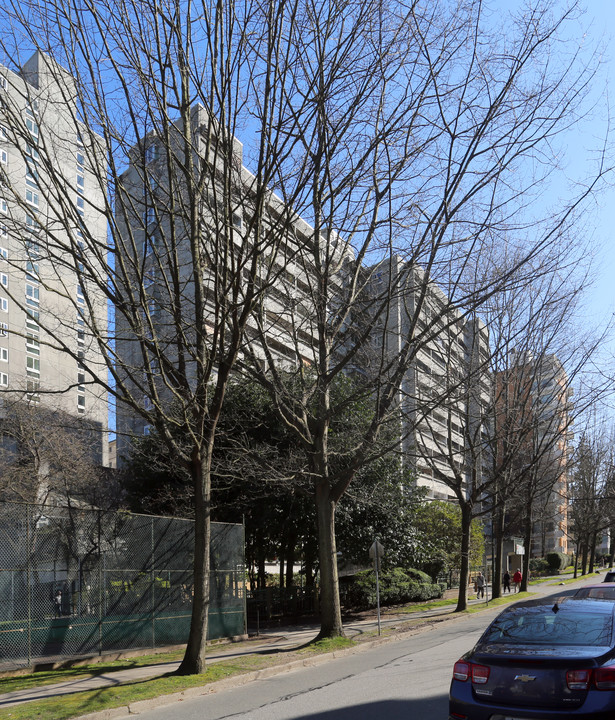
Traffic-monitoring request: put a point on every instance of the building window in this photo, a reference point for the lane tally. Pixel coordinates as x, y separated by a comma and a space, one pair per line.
4, 253
4, 355
149, 216
4, 305
31, 123
2, 82
3, 232
32, 344
32, 320
4, 133
4, 279
32, 271
4, 329
4, 379
81, 403
4, 157
80, 205
80, 183
33, 249
33, 365
4, 208
32, 198
33, 388
32, 292
151, 153
147, 429
32, 178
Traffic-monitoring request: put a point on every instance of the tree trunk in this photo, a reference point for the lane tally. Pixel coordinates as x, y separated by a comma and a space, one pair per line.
290, 557
330, 607
261, 581
592, 551
527, 540
309, 559
464, 570
194, 659
584, 557
498, 544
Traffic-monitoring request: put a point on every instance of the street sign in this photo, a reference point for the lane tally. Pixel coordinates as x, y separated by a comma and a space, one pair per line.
376, 550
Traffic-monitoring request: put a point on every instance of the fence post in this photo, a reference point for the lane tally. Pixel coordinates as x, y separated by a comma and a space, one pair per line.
153, 582
29, 583
101, 580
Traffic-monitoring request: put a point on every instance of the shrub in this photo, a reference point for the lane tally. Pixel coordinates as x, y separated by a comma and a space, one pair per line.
396, 586
557, 561
539, 565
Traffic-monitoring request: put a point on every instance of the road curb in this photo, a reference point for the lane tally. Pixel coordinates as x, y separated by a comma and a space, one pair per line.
264, 673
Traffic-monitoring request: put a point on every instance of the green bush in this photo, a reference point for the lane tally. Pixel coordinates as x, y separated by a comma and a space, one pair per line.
539, 565
396, 586
557, 561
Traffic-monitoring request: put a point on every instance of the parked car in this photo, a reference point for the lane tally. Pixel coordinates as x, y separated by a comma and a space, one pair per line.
610, 576
540, 660
596, 592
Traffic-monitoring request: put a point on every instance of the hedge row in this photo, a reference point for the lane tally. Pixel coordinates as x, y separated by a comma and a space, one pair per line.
396, 586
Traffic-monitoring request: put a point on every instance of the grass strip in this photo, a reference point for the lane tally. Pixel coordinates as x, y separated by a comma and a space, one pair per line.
589, 576
81, 703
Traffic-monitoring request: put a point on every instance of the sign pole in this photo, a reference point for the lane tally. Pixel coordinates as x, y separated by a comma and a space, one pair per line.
376, 551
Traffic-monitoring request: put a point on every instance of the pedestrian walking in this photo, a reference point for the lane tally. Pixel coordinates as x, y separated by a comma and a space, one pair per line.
480, 585
506, 581
517, 577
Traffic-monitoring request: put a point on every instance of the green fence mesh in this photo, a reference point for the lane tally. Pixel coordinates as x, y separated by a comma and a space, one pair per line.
79, 582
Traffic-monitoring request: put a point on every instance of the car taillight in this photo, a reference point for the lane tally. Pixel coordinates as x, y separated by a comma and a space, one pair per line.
604, 678
578, 679
480, 674
464, 671
461, 671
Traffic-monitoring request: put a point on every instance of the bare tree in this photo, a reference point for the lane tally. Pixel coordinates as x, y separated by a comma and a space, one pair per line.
421, 124
47, 457
591, 493
402, 134
150, 97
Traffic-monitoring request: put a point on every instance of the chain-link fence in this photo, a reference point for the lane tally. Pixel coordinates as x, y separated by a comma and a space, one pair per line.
82, 582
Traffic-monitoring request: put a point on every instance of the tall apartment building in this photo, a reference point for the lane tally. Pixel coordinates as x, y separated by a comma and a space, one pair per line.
41, 299
445, 394
152, 216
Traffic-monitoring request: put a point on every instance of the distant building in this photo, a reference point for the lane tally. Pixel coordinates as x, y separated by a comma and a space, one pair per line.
533, 397
39, 282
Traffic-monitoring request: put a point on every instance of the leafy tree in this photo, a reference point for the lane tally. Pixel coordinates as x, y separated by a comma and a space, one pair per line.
439, 526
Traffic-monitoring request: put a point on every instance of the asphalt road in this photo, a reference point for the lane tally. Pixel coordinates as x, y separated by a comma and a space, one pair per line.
405, 680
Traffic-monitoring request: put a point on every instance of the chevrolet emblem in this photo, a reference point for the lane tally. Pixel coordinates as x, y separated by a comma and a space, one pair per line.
525, 678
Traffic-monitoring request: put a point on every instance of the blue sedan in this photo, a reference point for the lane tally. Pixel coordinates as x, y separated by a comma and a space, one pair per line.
540, 660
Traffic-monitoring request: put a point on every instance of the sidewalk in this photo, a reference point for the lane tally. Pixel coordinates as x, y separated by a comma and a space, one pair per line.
287, 638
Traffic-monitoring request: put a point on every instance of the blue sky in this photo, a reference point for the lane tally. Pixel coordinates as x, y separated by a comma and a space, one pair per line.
599, 18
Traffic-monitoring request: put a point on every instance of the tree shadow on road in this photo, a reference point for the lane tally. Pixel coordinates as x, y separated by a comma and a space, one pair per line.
434, 707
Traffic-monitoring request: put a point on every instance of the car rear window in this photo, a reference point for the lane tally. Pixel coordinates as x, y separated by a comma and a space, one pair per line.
607, 593
548, 627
